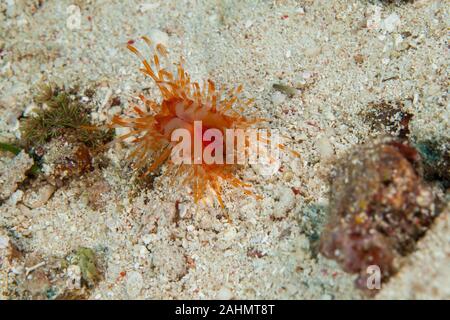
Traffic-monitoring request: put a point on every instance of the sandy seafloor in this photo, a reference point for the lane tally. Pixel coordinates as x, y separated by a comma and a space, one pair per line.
349, 52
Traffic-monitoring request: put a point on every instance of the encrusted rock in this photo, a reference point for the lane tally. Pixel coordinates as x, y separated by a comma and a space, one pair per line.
388, 117
379, 208
64, 159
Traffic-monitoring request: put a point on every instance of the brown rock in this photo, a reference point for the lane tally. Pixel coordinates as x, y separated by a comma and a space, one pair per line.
379, 208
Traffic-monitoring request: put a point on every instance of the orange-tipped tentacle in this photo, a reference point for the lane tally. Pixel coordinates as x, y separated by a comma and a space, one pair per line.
161, 50
217, 190
135, 51
147, 41
162, 158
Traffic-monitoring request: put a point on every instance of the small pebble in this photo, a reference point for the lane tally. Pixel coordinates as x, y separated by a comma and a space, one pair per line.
229, 234
300, 11
15, 197
374, 21
12, 171
38, 198
324, 147
4, 241
224, 294
312, 51
73, 277
148, 238
286, 201
278, 98
144, 7
391, 22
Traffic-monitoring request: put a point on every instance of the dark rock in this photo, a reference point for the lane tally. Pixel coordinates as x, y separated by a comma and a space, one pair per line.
379, 208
